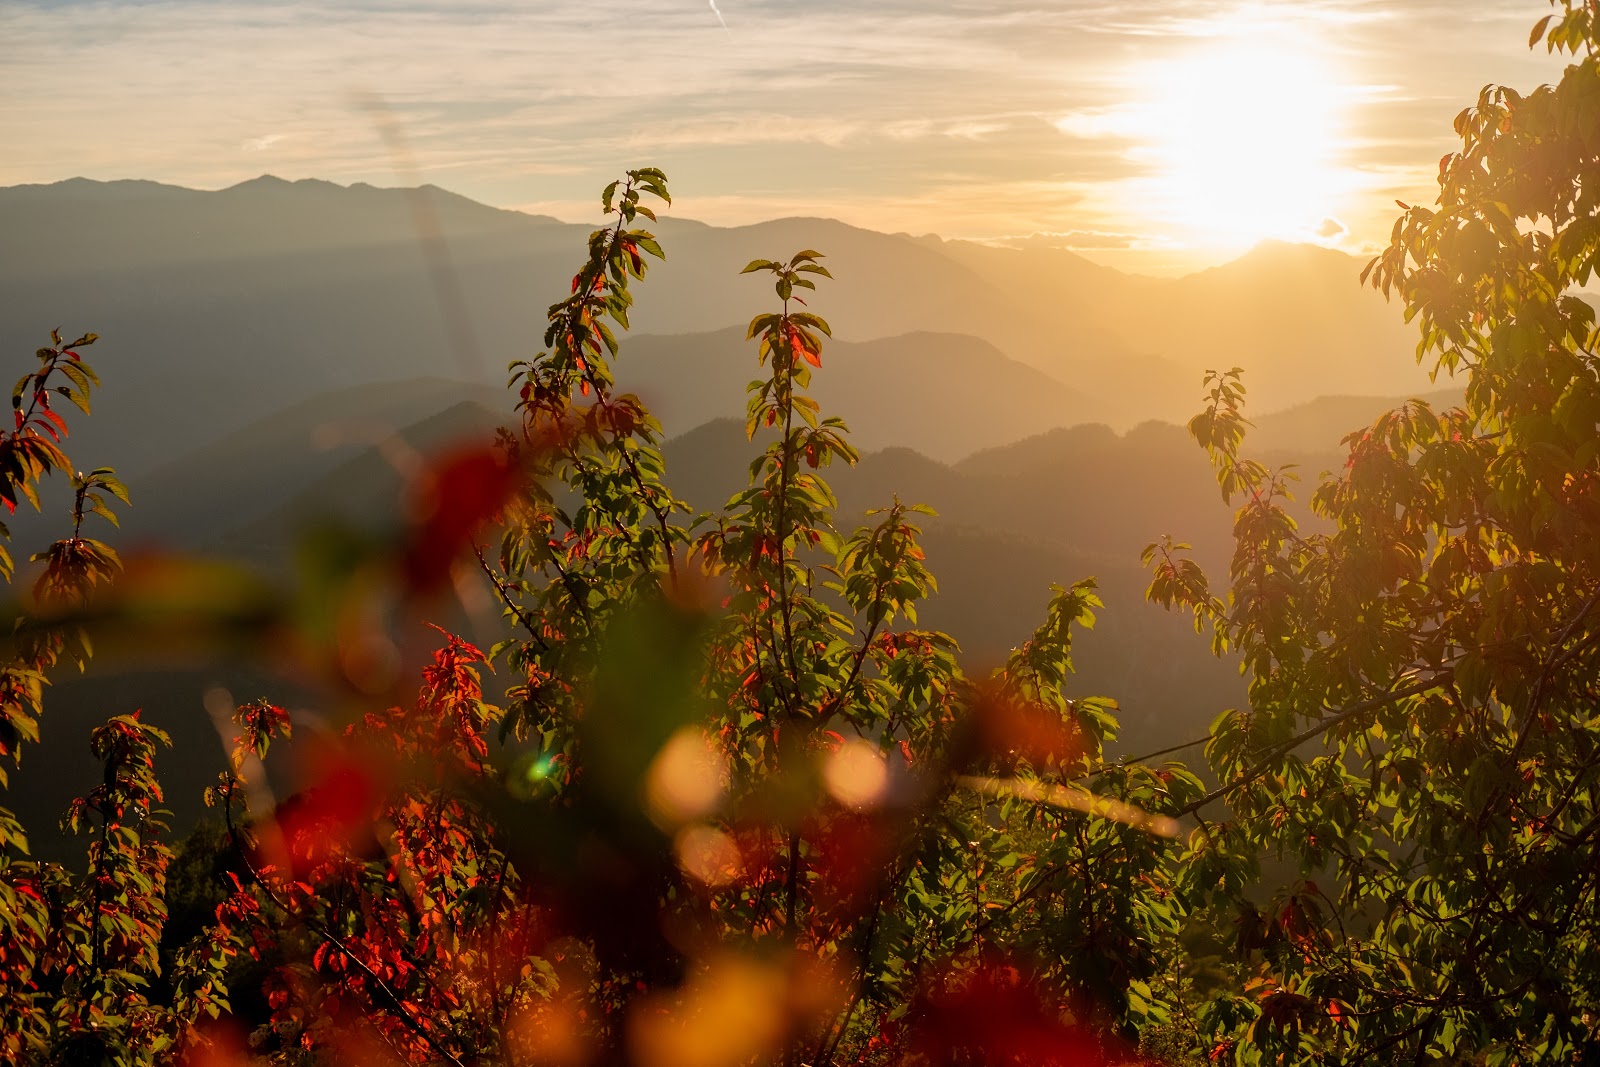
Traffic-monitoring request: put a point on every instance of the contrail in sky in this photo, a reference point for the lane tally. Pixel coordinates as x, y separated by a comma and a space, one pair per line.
718, 12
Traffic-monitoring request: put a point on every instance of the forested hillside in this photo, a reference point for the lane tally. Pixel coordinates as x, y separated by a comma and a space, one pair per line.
270, 293
314, 320
1011, 520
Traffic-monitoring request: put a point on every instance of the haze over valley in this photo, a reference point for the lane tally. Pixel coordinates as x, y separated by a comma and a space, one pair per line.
265, 346
270, 293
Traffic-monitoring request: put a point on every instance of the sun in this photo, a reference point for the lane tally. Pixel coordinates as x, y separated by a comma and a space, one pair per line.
1240, 141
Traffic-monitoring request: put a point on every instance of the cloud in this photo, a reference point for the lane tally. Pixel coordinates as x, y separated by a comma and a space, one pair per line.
974, 128
1097, 123
970, 117
1330, 230
1080, 240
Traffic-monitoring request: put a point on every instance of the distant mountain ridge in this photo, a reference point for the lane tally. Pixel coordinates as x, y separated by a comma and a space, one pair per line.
943, 394
217, 308
143, 223
260, 341
1054, 507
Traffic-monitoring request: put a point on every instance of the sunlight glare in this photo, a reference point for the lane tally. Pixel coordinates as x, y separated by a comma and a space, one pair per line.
1242, 140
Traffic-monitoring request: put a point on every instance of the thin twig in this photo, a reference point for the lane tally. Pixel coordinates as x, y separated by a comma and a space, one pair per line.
505, 597
1277, 752
1138, 760
402, 1009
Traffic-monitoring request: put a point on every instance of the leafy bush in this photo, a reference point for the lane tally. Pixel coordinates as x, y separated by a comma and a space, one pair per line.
738, 808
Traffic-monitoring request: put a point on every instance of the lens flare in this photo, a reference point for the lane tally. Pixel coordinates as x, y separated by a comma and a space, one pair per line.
856, 775
708, 855
686, 780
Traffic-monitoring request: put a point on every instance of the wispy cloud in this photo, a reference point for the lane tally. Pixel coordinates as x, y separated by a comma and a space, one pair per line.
1084, 241
970, 117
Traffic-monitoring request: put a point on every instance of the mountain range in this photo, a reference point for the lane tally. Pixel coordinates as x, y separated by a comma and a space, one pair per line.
219, 308
273, 351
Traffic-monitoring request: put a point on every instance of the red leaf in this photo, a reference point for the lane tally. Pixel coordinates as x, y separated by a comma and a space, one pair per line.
1010, 728
460, 492
996, 1015
334, 813
851, 854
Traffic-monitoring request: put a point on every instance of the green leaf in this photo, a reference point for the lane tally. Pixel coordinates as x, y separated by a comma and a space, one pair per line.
1538, 30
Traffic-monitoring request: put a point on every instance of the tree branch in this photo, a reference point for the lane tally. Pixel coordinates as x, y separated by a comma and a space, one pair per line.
1277, 752
402, 1011
505, 598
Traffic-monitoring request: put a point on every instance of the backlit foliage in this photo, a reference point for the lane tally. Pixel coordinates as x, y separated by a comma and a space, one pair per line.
727, 803
737, 806
1419, 767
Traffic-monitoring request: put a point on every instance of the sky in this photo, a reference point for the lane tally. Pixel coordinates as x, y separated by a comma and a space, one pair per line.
1155, 137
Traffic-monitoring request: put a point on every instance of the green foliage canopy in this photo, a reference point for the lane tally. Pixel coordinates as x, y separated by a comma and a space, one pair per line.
1421, 743
738, 808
